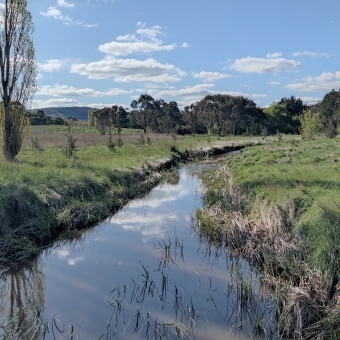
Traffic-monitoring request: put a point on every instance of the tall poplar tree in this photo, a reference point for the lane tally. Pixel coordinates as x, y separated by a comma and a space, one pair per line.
18, 72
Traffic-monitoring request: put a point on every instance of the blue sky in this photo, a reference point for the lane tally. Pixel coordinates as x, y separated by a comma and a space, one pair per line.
99, 53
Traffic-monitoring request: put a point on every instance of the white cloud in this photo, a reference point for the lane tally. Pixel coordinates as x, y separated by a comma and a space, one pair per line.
274, 83
161, 195
258, 95
127, 37
74, 260
311, 100
64, 90
56, 14
191, 94
91, 25
63, 3
311, 54
52, 65
324, 82
62, 102
147, 218
185, 45
149, 224
101, 105
152, 32
63, 253
130, 43
129, 70
124, 48
210, 76
274, 55
263, 65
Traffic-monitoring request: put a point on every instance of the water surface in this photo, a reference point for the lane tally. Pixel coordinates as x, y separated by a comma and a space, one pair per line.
144, 273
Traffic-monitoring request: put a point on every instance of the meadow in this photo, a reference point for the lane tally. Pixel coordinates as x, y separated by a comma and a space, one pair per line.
278, 206
45, 192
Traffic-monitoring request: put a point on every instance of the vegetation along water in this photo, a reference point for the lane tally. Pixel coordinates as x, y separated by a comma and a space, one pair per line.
278, 206
259, 260
145, 273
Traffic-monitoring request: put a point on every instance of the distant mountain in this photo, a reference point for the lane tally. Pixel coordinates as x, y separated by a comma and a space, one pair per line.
81, 113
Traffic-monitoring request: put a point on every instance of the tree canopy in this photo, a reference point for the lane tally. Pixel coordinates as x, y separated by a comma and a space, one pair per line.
17, 71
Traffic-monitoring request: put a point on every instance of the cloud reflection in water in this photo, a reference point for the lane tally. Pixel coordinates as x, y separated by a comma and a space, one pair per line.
140, 216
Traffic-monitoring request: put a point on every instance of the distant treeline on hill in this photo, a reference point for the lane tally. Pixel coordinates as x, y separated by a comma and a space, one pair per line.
220, 114
38, 117
57, 116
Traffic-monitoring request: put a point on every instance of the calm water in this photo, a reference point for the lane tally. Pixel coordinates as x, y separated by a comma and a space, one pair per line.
142, 274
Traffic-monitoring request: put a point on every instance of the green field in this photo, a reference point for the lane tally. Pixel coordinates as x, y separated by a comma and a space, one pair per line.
45, 192
278, 205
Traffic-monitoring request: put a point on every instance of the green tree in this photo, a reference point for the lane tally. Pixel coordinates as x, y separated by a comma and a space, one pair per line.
231, 114
18, 72
193, 118
145, 110
169, 117
217, 109
103, 119
294, 105
329, 110
279, 118
310, 123
119, 117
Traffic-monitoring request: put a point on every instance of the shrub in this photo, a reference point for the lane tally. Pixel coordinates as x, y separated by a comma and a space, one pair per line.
310, 123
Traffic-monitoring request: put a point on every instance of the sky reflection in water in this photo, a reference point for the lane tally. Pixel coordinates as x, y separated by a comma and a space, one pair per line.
149, 251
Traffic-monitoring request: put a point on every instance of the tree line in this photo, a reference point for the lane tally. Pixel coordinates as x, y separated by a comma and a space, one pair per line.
221, 114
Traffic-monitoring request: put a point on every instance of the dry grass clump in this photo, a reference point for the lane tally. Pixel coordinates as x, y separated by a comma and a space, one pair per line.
284, 219
301, 292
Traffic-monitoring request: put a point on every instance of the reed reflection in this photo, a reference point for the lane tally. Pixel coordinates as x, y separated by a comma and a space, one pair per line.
22, 302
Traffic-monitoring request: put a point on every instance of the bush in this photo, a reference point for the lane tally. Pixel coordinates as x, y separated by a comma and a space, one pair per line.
181, 130
310, 123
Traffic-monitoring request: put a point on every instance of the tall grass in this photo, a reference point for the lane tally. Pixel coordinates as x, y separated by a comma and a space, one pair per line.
278, 205
45, 191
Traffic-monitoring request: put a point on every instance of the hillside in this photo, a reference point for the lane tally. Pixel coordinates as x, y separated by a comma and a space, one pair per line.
65, 112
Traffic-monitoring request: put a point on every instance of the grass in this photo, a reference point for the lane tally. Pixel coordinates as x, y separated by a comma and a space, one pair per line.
302, 176
44, 192
279, 206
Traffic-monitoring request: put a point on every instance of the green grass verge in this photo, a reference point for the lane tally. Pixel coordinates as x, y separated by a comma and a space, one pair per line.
279, 206
45, 192
305, 176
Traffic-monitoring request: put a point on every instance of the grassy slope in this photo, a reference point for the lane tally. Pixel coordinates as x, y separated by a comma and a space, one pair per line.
289, 198
304, 175
44, 190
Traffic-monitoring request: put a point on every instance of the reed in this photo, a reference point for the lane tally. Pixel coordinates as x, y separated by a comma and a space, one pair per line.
277, 206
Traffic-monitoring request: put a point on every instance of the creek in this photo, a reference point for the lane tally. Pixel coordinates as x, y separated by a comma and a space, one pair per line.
145, 273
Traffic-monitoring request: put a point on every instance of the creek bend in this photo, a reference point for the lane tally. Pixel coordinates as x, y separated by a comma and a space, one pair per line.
142, 274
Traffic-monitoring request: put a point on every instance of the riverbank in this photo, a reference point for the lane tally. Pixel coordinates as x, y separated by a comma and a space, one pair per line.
278, 205
45, 193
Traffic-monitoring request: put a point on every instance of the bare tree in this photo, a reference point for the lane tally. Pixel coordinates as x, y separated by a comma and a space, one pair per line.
18, 72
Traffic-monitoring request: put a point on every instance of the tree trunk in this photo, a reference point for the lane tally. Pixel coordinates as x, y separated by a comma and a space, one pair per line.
8, 138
